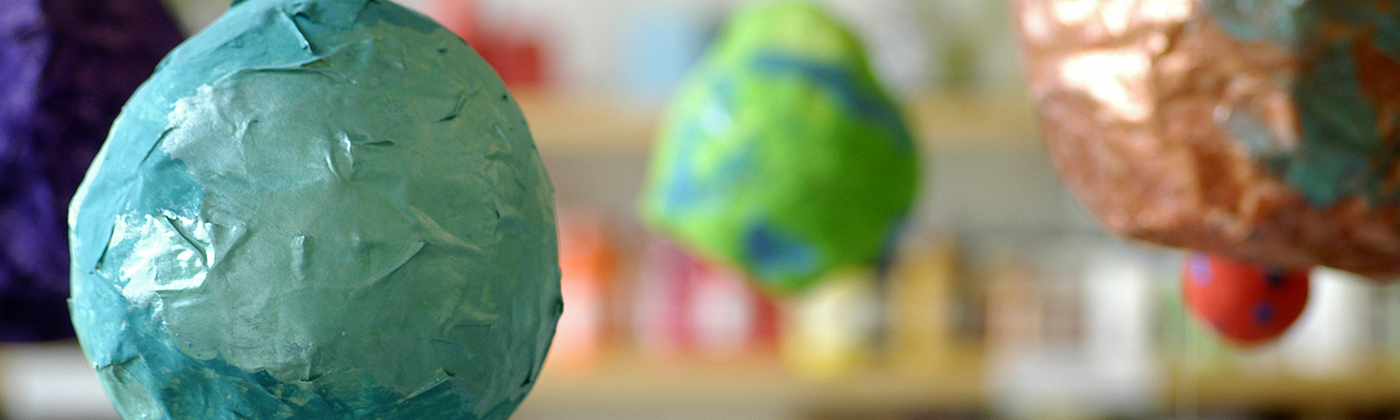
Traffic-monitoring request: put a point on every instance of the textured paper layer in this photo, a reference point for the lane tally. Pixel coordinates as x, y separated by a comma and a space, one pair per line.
317, 209
780, 153
66, 68
1266, 130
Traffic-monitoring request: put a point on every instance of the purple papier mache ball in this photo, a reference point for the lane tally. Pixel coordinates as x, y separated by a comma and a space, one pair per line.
66, 69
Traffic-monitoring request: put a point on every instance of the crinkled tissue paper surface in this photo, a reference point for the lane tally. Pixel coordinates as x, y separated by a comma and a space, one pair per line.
781, 153
67, 66
317, 209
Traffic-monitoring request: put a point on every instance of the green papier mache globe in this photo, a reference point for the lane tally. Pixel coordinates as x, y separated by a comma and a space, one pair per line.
317, 209
780, 153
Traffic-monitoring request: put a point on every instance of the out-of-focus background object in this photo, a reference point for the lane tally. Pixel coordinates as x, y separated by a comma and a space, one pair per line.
1261, 130
1247, 303
514, 51
781, 156
66, 68
1007, 299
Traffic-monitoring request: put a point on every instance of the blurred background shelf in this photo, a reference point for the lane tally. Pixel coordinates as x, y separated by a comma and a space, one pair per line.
1372, 391
633, 380
564, 122
634, 385
52, 381
1009, 301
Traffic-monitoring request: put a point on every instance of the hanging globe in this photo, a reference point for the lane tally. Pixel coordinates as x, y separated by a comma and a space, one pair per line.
780, 153
317, 209
1263, 130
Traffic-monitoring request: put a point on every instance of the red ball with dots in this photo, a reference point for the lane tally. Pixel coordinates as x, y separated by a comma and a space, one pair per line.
1247, 303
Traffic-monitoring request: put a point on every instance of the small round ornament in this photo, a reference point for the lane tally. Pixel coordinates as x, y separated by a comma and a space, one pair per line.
1247, 303
780, 153
317, 209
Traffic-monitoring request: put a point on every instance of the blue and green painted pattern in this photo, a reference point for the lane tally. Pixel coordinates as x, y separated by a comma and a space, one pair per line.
781, 154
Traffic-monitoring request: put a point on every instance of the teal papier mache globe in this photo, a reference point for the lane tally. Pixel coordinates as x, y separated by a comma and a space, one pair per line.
317, 209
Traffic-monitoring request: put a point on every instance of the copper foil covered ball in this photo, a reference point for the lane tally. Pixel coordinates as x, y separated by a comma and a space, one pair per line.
1261, 129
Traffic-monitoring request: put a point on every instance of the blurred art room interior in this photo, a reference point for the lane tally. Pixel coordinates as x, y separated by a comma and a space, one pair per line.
1091, 186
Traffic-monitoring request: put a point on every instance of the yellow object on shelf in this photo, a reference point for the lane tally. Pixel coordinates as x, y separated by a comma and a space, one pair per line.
830, 328
920, 305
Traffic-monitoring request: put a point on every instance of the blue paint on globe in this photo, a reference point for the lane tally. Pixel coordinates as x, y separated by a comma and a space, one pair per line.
1263, 312
1274, 277
773, 252
847, 88
1200, 268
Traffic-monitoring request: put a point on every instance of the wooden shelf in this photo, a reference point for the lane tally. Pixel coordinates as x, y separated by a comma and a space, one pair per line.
1373, 389
38, 380
957, 385
644, 385
952, 121
574, 123
571, 123
629, 382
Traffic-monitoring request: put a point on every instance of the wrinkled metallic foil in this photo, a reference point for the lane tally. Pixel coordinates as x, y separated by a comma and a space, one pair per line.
1264, 130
